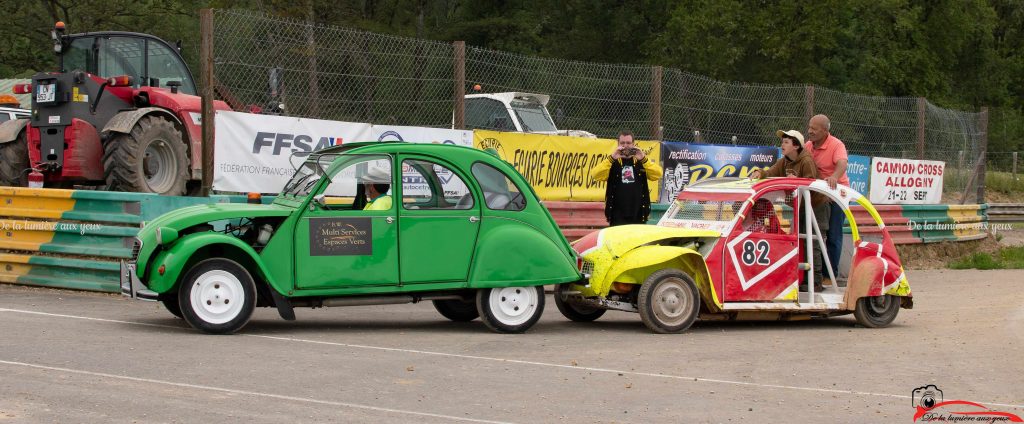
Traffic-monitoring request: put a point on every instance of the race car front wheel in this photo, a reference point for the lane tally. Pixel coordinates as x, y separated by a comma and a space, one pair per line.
578, 313
669, 301
217, 296
457, 310
877, 311
510, 309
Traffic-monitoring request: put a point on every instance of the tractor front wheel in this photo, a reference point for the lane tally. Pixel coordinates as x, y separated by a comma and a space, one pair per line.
150, 159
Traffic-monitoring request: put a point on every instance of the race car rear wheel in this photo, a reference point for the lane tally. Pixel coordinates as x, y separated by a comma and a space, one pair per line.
877, 311
457, 310
669, 301
578, 313
217, 296
510, 309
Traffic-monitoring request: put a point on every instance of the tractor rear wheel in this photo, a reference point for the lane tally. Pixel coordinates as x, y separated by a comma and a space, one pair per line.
14, 162
150, 159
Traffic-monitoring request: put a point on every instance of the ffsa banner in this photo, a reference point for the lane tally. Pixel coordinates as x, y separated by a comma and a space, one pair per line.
906, 181
558, 167
422, 135
687, 163
252, 152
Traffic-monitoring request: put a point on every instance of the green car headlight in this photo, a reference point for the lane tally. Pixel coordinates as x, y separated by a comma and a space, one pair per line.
166, 235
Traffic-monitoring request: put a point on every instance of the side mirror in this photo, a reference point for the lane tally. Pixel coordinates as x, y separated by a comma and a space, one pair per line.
173, 85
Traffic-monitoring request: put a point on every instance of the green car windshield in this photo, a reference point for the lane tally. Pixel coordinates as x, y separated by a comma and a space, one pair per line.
307, 175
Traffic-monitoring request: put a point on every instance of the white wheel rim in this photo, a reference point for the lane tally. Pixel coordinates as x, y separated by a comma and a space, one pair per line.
217, 296
513, 305
672, 302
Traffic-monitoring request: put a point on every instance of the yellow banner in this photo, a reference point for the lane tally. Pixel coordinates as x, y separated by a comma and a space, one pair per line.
558, 167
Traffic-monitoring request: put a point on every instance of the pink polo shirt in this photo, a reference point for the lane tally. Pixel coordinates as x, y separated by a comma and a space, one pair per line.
826, 156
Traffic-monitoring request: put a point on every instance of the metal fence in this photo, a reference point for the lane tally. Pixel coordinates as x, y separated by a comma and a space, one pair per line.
338, 73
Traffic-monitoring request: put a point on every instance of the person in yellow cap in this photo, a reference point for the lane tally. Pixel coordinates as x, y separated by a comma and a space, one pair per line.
377, 183
795, 161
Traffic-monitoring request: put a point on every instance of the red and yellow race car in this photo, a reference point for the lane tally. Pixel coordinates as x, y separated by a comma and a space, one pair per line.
738, 249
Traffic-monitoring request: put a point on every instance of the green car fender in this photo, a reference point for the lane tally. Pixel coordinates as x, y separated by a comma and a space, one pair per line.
637, 264
518, 255
193, 248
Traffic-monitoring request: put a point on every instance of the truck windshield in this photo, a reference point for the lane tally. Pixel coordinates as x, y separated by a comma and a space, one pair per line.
533, 116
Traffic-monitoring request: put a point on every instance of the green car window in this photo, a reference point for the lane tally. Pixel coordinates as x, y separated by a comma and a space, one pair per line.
428, 185
500, 193
347, 189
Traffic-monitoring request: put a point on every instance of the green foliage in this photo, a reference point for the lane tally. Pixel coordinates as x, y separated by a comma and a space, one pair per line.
961, 54
1005, 258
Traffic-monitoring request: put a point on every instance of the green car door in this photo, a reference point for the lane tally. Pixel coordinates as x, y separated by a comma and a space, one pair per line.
439, 219
348, 236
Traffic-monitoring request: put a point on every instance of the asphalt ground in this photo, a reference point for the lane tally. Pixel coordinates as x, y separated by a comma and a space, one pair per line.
84, 357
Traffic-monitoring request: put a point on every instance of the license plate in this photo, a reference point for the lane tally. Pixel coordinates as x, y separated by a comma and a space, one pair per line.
46, 93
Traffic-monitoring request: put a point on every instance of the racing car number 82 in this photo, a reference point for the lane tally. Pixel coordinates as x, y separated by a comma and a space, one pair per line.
756, 252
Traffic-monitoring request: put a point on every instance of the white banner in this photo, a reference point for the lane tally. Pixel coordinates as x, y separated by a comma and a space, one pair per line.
422, 135
905, 181
252, 152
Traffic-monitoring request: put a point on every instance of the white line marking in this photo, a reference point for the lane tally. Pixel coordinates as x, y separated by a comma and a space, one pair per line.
244, 392
517, 361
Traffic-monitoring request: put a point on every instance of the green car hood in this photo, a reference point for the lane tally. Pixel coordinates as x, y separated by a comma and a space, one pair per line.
186, 217
183, 218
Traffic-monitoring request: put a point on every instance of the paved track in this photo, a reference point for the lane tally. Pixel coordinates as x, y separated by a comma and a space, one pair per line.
82, 357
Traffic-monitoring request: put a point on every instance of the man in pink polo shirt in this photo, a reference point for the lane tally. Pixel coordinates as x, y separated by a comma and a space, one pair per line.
830, 157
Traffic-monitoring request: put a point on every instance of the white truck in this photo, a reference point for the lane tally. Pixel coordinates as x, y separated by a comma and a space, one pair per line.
514, 111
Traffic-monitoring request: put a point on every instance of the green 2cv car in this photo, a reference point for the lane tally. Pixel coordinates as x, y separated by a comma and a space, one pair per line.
362, 224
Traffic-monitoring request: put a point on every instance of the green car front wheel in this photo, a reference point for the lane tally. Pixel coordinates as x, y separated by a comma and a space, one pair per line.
217, 296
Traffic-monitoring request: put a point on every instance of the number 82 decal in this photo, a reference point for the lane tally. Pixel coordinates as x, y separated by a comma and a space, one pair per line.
756, 253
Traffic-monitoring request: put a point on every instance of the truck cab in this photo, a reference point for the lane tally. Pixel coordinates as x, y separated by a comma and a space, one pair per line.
514, 112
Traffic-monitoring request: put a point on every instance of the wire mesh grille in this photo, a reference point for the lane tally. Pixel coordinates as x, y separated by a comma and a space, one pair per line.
337, 73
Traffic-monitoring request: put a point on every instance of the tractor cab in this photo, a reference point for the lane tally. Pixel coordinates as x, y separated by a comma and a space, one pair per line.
148, 60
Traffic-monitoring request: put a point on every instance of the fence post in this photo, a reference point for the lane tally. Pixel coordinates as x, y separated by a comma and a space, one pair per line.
206, 65
808, 103
920, 127
460, 85
656, 104
983, 157
1015, 166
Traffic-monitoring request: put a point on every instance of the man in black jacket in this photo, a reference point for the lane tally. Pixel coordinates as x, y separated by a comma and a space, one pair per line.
627, 198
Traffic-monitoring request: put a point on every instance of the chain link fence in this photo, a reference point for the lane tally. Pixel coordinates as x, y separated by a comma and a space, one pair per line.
337, 73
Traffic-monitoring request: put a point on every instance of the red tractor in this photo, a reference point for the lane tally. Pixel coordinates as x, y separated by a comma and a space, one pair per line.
121, 112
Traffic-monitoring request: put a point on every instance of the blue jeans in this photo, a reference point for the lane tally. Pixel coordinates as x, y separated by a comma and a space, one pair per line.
834, 239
